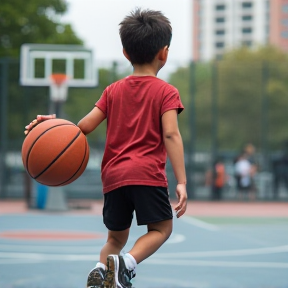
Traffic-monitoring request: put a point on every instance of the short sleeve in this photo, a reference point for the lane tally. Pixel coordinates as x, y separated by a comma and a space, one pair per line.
171, 100
102, 102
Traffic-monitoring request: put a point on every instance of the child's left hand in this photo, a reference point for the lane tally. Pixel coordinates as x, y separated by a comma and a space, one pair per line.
35, 122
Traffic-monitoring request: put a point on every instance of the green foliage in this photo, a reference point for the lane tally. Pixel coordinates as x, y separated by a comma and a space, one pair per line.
180, 79
252, 97
239, 102
82, 101
33, 21
203, 92
250, 89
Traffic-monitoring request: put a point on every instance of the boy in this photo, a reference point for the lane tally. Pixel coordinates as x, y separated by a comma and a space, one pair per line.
142, 128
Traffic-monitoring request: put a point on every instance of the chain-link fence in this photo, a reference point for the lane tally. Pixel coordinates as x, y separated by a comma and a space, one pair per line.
227, 105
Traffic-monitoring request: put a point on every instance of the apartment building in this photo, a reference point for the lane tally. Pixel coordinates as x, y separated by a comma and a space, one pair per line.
222, 25
278, 35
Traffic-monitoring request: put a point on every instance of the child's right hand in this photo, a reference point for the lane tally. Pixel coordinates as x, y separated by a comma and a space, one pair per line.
181, 194
35, 122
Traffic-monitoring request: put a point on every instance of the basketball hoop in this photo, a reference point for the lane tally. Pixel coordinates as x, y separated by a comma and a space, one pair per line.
58, 87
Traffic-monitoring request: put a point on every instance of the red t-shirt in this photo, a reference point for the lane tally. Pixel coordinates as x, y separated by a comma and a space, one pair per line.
134, 152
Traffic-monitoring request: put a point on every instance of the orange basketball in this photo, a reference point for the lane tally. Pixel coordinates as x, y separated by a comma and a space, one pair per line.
55, 152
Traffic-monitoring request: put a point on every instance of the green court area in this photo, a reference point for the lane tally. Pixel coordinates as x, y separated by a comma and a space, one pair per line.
244, 220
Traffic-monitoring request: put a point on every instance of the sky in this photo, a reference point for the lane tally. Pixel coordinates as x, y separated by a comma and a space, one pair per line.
96, 22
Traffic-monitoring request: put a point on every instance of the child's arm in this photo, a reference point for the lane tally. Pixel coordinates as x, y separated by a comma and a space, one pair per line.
90, 122
174, 147
86, 124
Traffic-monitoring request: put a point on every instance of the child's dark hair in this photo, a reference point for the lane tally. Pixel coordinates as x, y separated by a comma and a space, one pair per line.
143, 33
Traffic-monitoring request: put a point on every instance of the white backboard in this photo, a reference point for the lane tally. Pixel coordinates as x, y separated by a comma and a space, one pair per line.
39, 61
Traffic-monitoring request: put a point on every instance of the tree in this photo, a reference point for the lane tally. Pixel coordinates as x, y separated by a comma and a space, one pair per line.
250, 93
33, 21
181, 80
80, 102
253, 96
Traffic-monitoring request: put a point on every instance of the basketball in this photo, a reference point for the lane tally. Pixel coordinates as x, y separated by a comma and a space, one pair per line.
55, 152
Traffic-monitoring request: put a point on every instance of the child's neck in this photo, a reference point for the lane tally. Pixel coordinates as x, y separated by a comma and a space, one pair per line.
144, 70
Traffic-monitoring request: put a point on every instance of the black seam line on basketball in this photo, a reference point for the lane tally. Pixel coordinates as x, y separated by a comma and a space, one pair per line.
62, 152
36, 141
77, 169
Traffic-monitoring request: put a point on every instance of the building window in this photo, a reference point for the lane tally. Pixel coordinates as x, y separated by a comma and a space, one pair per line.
285, 8
285, 22
247, 18
247, 5
220, 20
247, 30
219, 45
220, 7
284, 34
220, 32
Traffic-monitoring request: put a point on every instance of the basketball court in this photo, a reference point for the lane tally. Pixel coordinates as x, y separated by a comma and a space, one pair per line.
216, 245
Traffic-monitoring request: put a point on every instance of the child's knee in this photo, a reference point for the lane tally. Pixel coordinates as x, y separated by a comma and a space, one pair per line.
163, 227
168, 231
118, 239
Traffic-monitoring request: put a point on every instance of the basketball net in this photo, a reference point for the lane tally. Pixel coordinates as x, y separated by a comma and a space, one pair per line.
58, 87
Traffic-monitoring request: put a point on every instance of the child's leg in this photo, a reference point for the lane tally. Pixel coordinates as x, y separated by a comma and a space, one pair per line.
149, 243
115, 242
122, 269
154, 210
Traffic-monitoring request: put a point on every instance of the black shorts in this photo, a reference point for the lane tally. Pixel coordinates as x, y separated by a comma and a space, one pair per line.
151, 204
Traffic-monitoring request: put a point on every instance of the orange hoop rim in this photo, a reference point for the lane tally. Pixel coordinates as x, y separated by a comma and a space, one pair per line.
58, 78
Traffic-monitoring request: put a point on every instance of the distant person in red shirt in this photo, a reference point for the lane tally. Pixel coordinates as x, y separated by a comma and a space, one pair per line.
142, 129
216, 178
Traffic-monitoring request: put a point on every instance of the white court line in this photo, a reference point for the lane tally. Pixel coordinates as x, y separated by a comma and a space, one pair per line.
228, 264
224, 253
199, 223
174, 238
29, 258
163, 282
159, 256
172, 255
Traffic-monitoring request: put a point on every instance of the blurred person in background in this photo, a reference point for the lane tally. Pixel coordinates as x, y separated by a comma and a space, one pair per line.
244, 174
216, 178
250, 150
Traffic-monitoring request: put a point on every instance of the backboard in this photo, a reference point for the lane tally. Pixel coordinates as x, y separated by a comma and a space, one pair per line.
39, 61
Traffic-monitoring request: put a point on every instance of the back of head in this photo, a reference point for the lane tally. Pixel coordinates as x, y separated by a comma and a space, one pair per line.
249, 149
143, 33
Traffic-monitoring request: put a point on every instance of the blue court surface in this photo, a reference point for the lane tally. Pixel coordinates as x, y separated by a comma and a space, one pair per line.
201, 253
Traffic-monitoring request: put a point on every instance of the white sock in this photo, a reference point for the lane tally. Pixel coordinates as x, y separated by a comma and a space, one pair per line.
130, 262
101, 265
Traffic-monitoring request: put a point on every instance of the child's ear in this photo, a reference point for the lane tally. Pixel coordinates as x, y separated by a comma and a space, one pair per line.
125, 54
163, 53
